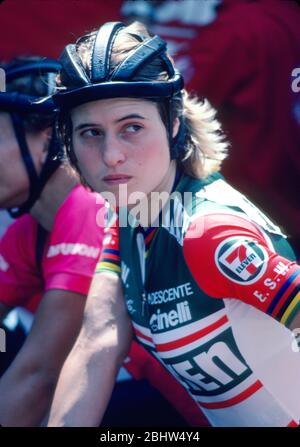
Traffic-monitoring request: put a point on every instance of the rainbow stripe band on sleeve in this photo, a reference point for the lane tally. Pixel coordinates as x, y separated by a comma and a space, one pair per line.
109, 261
291, 311
286, 302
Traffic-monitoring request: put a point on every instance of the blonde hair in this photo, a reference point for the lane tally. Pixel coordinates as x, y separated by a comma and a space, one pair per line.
206, 146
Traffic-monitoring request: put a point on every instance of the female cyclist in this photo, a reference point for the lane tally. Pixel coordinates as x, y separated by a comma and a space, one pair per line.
210, 283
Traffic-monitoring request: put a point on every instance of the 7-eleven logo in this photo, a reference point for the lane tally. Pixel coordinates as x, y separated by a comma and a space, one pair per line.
242, 260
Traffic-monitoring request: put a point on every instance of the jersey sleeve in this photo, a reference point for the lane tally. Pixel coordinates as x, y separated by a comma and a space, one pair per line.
75, 243
110, 256
230, 257
18, 277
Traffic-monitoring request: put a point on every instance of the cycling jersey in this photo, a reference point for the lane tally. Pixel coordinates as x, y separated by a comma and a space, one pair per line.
201, 290
69, 254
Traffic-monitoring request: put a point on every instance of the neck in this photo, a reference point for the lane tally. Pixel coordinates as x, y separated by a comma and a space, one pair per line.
53, 195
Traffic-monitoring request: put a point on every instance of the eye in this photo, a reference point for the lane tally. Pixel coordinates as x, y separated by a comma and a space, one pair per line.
91, 133
132, 128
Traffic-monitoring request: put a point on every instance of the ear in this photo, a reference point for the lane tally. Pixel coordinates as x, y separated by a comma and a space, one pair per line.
175, 127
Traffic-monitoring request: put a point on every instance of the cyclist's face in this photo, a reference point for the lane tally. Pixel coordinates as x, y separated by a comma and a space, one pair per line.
14, 183
123, 143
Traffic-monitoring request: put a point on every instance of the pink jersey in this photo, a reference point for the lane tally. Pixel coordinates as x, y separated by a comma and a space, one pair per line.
69, 256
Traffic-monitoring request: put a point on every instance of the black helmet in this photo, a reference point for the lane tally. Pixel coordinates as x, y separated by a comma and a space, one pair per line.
19, 105
101, 83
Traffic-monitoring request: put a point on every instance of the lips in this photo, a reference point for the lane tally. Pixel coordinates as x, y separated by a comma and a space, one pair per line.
116, 178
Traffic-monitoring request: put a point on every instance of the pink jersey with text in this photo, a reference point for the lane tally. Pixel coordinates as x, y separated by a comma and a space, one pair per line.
69, 256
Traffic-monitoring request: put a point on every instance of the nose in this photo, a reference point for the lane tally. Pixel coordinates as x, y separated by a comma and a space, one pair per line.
113, 152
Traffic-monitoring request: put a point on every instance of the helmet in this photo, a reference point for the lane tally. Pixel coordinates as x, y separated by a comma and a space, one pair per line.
103, 83
19, 105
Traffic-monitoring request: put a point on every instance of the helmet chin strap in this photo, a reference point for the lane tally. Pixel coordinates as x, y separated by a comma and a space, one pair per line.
177, 144
36, 183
